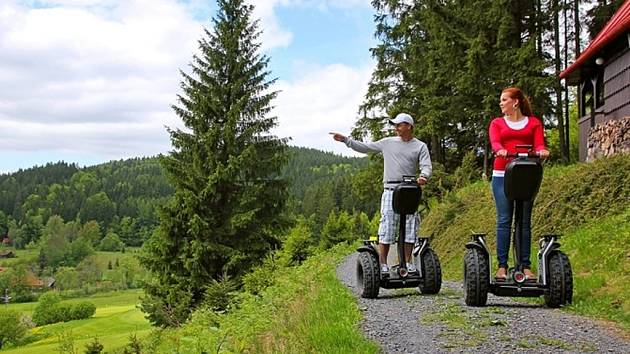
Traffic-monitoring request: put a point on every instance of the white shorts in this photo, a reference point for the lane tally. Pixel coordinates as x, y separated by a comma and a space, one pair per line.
388, 228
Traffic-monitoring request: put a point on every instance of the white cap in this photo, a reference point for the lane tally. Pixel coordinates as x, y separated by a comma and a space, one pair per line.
402, 118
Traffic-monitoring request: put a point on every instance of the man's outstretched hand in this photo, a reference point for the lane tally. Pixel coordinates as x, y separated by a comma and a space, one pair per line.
338, 137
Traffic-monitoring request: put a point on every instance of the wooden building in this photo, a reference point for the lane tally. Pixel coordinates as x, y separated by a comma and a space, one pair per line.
602, 74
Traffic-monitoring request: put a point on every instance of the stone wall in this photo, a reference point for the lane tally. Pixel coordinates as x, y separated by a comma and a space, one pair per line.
609, 138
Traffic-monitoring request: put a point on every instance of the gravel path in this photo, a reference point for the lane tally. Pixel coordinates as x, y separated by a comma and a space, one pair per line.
404, 321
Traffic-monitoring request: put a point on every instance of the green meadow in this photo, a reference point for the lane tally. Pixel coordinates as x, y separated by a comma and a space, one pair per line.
117, 317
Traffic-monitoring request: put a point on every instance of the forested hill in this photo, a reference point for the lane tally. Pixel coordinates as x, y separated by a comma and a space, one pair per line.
123, 195
307, 167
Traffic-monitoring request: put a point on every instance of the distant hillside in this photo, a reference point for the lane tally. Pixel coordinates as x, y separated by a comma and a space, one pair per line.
309, 166
133, 189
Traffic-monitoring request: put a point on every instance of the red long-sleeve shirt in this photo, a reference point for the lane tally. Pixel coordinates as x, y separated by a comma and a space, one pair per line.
504, 137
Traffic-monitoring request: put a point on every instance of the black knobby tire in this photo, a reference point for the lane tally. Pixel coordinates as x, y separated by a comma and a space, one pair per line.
476, 272
368, 277
560, 280
432, 273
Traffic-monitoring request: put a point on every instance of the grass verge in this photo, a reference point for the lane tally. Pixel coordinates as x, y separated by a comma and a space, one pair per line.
307, 310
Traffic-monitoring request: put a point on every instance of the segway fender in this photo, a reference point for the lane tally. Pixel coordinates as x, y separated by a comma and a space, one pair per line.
475, 245
368, 249
421, 247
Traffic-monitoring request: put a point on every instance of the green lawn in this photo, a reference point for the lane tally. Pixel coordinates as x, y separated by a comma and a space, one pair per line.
22, 256
115, 320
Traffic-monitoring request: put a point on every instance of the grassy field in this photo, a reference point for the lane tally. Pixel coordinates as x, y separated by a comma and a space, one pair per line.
22, 256
115, 320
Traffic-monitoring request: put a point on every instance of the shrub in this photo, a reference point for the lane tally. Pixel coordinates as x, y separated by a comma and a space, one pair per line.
12, 328
50, 310
219, 293
94, 347
111, 243
83, 310
134, 346
262, 277
44, 312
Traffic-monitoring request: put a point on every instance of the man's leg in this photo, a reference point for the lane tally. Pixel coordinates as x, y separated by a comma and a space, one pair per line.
386, 228
408, 249
411, 227
383, 252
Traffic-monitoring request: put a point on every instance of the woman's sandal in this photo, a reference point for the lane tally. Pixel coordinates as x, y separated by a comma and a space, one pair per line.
529, 276
501, 274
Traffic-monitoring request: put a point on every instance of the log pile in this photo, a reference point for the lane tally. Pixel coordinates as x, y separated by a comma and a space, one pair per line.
609, 138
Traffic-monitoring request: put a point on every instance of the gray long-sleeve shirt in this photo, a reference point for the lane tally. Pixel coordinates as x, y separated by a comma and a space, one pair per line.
401, 158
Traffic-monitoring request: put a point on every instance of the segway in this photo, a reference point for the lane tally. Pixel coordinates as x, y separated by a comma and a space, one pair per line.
428, 277
523, 176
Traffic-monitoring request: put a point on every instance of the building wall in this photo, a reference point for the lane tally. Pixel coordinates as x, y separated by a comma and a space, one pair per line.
616, 100
617, 87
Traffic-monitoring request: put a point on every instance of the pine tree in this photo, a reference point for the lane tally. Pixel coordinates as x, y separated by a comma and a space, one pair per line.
227, 207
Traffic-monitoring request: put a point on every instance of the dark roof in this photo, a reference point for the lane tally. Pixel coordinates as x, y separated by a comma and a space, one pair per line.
618, 24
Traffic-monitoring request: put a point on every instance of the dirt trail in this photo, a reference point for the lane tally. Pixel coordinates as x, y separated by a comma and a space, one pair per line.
404, 321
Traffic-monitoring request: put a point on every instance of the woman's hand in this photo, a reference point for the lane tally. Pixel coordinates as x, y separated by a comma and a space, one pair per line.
543, 154
421, 181
502, 153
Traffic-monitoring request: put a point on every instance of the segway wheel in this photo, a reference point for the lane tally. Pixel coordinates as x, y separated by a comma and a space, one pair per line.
560, 281
476, 272
432, 273
368, 276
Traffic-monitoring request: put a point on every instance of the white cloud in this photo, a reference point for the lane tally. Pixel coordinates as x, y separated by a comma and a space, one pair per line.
324, 100
97, 77
93, 76
273, 35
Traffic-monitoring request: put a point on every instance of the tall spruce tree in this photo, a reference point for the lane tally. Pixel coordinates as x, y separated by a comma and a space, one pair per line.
228, 202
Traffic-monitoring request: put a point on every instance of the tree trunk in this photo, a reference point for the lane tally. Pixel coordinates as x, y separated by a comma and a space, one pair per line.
436, 149
566, 87
576, 22
540, 27
558, 85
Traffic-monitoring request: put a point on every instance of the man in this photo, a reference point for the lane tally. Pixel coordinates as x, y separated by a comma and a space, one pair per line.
402, 155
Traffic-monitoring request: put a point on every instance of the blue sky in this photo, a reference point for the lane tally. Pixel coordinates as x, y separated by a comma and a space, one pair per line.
89, 81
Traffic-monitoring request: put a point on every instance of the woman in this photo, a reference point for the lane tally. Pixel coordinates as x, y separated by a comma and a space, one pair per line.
518, 126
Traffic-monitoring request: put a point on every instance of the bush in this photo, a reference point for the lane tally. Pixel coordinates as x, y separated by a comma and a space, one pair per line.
83, 310
262, 277
50, 310
111, 243
219, 293
94, 347
62, 312
12, 328
44, 312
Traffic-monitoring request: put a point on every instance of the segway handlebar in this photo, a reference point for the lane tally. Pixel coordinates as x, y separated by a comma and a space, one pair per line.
405, 179
529, 153
521, 154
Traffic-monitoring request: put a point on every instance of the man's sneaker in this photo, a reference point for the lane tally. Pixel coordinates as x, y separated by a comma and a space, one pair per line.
384, 268
411, 268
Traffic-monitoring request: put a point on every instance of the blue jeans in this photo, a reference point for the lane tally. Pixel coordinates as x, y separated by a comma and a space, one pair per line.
505, 210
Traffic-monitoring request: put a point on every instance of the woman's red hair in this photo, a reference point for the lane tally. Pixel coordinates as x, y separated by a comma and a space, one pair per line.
516, 94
